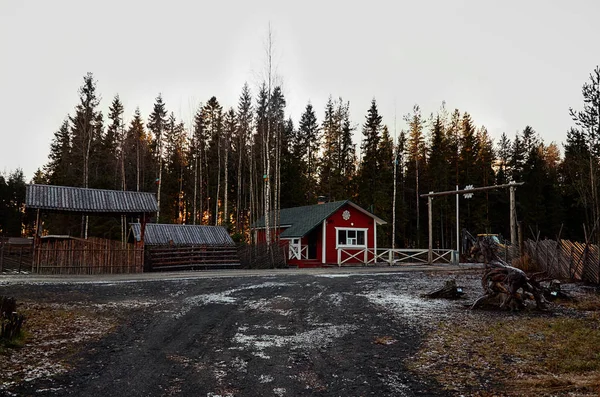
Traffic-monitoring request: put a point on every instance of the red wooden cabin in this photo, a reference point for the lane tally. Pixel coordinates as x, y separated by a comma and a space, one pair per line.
324, 234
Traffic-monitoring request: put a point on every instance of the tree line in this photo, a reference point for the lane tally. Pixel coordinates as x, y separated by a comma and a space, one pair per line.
233, 164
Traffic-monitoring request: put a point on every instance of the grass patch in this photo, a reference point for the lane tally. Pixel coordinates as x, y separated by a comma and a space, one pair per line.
516, 356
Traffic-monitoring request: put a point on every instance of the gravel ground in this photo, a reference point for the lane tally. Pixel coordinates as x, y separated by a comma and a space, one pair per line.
329, 333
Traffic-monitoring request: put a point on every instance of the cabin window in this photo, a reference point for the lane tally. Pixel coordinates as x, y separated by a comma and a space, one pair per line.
351, 237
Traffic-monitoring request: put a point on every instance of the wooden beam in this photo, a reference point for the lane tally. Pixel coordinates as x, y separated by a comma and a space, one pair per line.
475, 189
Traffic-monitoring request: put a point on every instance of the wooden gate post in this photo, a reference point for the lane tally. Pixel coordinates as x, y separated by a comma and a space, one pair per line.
430, 252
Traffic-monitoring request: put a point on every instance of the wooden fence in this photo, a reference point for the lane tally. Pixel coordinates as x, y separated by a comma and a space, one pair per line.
560, 259
192, 257
15, 254
92, 256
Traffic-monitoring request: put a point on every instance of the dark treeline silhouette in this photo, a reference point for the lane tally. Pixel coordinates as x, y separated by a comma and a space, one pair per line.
233, 163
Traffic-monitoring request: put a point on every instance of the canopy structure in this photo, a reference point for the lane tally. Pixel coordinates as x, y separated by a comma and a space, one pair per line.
89, 201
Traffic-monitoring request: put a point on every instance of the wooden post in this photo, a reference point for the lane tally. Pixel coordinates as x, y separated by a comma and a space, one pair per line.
457, 226
520, 238
513, 218
430, 216
1, 254
36, 240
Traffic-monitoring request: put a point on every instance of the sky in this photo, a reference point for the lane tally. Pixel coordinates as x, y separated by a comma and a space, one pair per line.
509, 64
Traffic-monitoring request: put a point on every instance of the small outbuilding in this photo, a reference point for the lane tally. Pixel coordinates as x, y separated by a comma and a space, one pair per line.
176, 247
323, 234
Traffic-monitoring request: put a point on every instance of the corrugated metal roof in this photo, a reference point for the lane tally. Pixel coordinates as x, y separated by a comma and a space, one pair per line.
301, 220
78, 199
162, 234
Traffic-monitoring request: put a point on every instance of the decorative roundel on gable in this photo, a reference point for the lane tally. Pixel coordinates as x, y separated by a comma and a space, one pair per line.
346, 215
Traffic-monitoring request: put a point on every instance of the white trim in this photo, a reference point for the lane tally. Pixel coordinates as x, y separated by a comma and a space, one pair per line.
337, 237
323, 243
375, 237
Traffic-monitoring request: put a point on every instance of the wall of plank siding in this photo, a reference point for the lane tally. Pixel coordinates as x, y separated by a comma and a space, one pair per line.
92, 256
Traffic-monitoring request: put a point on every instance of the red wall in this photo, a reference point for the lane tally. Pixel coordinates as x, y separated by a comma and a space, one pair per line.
357, 220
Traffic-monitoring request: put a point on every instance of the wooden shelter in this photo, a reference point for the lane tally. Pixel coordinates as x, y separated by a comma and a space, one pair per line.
85, 256
177, 247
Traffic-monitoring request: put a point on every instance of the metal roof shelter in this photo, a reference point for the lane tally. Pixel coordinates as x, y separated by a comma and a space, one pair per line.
85, 200
301, 220
182, 235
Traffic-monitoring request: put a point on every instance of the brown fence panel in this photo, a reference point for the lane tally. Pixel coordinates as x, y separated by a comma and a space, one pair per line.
192, 257
562, 259
76, 256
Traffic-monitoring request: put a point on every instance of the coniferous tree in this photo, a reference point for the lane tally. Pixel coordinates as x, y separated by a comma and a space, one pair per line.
59, 169
157, 122
175, 143
111, 158
86, 131
504, 151
230, 128
213, 123
307, 148
330, 129
242, 145
416, 163
369, 170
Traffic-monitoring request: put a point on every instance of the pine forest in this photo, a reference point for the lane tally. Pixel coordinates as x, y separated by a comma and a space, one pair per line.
236, 162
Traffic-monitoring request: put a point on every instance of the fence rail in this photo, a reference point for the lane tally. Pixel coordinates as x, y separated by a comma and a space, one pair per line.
393, 256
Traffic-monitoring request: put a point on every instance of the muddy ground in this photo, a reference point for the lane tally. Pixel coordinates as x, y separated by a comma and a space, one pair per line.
336, 334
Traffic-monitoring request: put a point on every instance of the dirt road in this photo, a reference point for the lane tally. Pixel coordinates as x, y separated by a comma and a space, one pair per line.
326, 333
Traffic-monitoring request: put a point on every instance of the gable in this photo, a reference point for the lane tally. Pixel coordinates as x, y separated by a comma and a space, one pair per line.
301, 220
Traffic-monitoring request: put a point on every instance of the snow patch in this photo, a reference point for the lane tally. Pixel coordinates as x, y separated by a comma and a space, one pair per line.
279, 391
309, 339
410, 307
266, 379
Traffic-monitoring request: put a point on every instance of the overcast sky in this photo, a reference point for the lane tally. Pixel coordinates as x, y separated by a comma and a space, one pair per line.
508, 63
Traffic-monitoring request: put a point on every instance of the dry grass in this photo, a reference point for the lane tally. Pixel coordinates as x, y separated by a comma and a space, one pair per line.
517, 355
52, 334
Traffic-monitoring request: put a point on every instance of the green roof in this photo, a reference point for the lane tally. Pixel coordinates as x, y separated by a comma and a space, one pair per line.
301, 220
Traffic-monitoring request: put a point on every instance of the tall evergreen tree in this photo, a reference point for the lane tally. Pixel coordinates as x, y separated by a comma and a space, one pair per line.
242, 145
416, 164
369, 170
86, 130
213, 123
59, 168
157, 123
111, 159
307, 148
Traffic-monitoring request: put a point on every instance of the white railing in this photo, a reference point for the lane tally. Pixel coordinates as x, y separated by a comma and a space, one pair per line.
297, 251
394, 256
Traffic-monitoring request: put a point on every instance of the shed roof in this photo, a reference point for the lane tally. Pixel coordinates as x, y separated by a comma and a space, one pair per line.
163, 234
298, 221
78, 199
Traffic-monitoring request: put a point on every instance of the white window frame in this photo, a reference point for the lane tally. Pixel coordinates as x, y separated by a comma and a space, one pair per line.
357, 229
